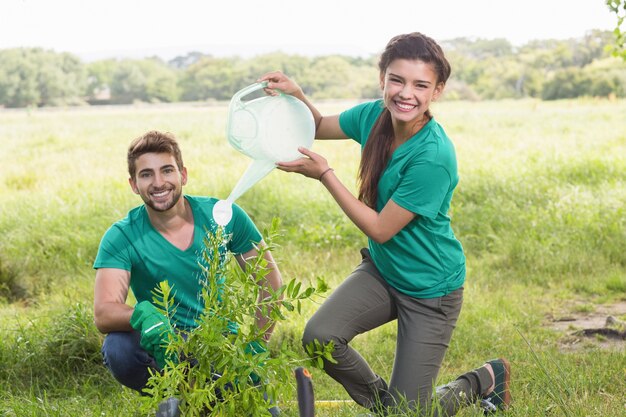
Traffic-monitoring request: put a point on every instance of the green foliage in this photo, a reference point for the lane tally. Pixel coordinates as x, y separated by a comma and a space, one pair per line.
148, 80
602, 78
335, 77
10, 288
294, 65
481, 69
566, 83
99, 78
226, 370
37, 77
216, 78
618, 7
49, 348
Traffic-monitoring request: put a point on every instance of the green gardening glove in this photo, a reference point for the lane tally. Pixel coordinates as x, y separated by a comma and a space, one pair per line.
155, 329
255, 347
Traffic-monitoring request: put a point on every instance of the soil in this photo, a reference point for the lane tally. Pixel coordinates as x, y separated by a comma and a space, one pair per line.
589, 329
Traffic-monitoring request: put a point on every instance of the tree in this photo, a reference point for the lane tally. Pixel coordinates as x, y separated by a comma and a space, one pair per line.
293, 65
334, 77
37, 77
18, 79
99, 79
566, 83
215, 78
185, 61
608, 78
619, 8
149, 80
61, 79
501, 78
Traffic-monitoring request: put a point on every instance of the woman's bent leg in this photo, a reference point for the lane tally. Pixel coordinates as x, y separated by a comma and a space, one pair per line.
425, 328
359, 304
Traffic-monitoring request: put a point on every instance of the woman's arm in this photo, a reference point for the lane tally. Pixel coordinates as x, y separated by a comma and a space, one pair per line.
379, 227
326, 127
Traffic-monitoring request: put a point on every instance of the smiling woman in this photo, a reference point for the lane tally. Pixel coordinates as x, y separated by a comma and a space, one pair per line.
413, 270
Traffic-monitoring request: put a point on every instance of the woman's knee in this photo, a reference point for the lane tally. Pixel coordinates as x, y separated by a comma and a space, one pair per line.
315, 332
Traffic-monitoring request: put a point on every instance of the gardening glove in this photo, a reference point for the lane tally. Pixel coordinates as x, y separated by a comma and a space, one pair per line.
255, 347
155, 329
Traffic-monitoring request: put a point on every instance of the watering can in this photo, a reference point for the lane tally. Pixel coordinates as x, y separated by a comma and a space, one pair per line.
268, 130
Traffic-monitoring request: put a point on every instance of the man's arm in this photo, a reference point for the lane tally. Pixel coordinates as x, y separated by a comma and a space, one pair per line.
272, 280
111, 313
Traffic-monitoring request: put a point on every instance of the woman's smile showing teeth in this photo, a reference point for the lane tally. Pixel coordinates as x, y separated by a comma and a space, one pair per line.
405, 106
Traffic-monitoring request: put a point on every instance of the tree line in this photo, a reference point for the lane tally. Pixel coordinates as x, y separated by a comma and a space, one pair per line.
483, 69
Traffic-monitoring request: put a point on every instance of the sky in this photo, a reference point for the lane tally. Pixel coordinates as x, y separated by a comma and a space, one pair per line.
94, 29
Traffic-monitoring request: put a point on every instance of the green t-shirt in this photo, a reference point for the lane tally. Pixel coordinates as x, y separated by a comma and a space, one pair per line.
134, 245
424, 259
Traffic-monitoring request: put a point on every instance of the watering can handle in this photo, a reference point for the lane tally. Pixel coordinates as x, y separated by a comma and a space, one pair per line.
247, 90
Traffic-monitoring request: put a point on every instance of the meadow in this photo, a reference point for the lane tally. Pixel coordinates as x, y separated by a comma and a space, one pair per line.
540, 210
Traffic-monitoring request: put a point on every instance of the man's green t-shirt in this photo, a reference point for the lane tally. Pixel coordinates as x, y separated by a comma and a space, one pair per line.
134, 245
424, 259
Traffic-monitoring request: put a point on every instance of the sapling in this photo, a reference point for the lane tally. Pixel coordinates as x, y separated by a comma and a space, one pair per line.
223, 367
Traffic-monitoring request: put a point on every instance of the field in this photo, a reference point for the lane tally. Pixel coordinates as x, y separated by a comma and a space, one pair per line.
540, 210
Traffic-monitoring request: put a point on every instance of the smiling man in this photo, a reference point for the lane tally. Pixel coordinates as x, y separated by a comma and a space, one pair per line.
161, 240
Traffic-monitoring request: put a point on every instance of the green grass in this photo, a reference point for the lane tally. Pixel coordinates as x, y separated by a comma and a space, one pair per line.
540, 210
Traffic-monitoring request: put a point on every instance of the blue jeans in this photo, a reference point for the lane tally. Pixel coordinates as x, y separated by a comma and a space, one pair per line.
126, 360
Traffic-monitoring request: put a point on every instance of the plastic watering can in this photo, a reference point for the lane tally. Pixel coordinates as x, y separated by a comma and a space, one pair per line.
268, 130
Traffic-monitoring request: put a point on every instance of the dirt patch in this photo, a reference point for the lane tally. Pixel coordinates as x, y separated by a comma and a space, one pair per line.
585, 329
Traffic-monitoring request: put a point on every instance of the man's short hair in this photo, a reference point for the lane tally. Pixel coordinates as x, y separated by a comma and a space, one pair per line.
153, 142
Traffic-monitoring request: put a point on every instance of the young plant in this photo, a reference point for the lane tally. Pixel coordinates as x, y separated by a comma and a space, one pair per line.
223, 367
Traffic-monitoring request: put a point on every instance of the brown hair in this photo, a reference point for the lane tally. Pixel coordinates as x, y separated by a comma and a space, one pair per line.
377, 150
153, 142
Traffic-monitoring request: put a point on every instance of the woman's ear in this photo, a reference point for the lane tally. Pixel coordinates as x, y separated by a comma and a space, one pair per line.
438, 91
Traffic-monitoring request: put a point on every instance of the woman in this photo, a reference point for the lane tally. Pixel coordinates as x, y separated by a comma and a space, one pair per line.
414, 269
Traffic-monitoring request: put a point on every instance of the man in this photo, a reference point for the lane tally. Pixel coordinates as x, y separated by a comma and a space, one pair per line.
157, 241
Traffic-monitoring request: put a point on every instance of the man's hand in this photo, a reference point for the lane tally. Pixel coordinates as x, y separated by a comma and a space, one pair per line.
255, 347
155, 329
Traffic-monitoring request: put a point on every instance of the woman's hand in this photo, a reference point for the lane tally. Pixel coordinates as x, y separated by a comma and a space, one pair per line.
313, 165
276, 80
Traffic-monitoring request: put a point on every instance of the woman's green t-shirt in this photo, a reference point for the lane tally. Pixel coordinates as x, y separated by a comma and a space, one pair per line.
424, 259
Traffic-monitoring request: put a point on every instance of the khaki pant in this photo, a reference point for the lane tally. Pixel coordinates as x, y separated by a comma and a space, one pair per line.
365, 301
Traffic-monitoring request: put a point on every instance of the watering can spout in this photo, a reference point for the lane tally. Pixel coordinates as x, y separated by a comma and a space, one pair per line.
256, 171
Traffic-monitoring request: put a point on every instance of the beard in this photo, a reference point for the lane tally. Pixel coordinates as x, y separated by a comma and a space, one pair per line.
175, 195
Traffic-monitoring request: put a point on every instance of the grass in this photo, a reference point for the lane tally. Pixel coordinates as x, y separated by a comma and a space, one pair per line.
539, 210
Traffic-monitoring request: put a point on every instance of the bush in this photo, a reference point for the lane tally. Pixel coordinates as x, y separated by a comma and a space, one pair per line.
225, 368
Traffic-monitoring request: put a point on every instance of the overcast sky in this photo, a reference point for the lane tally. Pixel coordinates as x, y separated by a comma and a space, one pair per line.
117, 28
